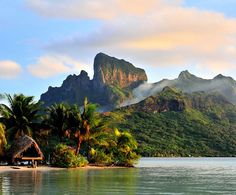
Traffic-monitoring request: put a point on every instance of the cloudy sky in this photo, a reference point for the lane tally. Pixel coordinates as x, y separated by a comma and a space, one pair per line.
42, 41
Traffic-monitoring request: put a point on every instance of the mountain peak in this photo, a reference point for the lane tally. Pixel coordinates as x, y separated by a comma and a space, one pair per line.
100, 54
185, 75
116, 72
220, 76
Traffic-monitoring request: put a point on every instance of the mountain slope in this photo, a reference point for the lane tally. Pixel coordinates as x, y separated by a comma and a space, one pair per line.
173, 123
112, 84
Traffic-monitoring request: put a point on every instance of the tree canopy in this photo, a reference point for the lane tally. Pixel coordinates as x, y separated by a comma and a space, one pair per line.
21, 116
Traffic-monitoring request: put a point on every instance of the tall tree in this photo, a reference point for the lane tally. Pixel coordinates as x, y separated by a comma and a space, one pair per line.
2, 139
21, 116
88, 121
57, 119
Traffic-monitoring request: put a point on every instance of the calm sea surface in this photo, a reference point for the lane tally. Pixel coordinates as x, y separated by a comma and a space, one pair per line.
151, 176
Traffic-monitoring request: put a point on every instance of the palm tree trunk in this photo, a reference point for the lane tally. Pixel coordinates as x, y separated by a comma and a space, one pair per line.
88, 150
78, 145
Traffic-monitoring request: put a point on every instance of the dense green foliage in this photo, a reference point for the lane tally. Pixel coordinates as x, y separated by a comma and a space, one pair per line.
124, 151
64, 156
205, 127
67, 133
56, 119
20, 117
113, 148
171, 123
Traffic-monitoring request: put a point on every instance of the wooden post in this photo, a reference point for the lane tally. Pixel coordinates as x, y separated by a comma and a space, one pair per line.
34, 163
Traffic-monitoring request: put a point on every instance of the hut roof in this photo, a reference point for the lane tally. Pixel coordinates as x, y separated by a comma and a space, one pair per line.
21, 145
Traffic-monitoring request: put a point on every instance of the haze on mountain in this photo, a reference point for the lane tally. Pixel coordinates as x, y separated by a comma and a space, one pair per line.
188, 83
118, 83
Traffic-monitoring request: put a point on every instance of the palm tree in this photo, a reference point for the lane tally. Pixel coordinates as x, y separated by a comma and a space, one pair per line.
73, 120
57, 119
2, 139
21, 116
87, 121
65, 121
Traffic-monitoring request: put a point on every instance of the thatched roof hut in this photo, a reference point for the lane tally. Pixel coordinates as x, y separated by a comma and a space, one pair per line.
25, 149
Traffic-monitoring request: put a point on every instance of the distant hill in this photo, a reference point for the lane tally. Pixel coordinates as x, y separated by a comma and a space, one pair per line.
112, 84
173, 123
189, 83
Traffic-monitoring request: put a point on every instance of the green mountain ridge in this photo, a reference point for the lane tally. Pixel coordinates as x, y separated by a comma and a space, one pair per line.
173, 123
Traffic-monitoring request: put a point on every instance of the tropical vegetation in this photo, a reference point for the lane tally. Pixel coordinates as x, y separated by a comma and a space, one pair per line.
20, 117
173, 123
69, 136
64, 156
170, 123
3, 141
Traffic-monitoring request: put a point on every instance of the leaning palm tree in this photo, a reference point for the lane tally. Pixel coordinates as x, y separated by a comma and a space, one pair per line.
2, 139
20, 117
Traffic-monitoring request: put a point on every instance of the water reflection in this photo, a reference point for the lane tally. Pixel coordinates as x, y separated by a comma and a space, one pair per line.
117, 181
153, 176
21, 182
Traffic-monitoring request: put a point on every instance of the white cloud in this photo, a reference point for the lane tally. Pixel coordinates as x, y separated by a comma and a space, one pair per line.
52, 65
96, 9
9, 69
154, 32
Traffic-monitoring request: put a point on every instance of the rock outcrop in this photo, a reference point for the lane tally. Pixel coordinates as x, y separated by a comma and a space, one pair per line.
112, 84
169, 99
119, 73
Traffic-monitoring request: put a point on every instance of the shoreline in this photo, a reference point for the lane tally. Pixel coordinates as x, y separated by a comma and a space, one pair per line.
7, 168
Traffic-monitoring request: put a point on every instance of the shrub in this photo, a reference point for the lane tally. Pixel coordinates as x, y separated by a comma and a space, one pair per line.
124, 153
64, 156
99, 157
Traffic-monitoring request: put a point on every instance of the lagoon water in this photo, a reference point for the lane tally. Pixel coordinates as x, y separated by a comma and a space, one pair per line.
151, 176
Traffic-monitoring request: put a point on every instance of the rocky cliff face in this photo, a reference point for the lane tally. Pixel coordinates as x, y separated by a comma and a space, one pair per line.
112, 84
73, 90
119, 73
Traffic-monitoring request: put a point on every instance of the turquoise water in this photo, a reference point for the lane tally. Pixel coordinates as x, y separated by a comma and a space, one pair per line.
151, 176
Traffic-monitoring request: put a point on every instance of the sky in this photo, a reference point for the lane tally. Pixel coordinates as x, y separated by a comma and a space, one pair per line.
43, 41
